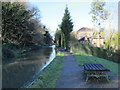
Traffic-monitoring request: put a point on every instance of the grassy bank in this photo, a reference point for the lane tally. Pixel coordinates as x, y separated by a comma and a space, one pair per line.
49, 76
94, 51
83, 58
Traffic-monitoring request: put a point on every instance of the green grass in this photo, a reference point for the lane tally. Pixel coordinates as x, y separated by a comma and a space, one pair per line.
77, 47
49, 76
82, 59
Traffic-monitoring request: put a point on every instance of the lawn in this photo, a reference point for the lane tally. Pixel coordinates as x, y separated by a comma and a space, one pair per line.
49, 76
84, 58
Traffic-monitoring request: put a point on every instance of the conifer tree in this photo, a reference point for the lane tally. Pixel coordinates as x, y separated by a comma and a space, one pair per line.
66, 27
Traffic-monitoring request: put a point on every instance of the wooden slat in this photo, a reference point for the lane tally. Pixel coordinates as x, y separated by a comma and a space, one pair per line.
95, 67
104, 68
86, 67
100, 66
90, 67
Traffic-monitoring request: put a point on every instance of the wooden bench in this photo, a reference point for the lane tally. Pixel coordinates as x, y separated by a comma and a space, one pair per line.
95, 70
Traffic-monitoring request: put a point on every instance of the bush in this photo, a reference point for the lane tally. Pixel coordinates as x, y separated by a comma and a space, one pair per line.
7, 53
95, 51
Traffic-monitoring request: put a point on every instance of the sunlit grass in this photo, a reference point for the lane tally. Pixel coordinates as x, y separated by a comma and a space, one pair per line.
84, 49
82, 59
49, 76
86, 54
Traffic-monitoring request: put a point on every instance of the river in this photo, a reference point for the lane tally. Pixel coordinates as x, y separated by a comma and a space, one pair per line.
17, 73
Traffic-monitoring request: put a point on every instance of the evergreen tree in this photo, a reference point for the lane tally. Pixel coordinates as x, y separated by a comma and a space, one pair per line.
58, 37
48, 38
66, 27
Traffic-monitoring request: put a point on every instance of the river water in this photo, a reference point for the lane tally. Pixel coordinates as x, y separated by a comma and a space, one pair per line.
18, 72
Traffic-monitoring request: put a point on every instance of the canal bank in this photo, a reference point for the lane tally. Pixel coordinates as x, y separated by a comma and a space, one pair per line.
48, 77
10, 53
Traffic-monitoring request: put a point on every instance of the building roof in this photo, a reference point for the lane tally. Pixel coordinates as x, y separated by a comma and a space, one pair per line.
85, 29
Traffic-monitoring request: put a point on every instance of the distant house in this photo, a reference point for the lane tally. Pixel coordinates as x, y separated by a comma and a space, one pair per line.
84, 32
97, 41
86, 36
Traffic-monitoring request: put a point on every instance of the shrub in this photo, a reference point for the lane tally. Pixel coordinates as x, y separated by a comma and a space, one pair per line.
95, 51
7, 53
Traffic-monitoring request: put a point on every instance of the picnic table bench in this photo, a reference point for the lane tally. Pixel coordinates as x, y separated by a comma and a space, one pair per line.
95, 70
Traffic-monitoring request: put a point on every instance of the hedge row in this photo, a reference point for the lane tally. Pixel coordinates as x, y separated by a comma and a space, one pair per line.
95, 51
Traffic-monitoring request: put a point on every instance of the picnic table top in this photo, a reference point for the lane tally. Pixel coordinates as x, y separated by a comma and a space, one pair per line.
95, 67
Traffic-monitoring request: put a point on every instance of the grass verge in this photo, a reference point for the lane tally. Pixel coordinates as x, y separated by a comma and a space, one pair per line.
94, 51
84, 58
49, 75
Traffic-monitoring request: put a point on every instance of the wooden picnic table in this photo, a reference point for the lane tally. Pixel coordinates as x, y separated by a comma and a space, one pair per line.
95, 70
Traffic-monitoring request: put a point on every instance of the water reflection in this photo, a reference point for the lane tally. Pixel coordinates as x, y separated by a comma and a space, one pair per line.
15, 74
52, 56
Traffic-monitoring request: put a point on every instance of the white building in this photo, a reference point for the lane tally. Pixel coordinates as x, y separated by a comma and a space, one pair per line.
86, 36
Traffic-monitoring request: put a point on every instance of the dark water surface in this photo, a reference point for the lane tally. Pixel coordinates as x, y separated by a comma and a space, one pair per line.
18, 72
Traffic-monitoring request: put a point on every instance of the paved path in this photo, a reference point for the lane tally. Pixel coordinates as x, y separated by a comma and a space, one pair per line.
70, 73
72, 76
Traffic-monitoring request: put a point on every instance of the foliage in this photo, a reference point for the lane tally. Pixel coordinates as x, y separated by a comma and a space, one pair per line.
20, 26
7, 53
66, 27
98, 12
15, 22
49, 76
48, 38
82, 59
58, 38
112, 43
115, 40
86, 49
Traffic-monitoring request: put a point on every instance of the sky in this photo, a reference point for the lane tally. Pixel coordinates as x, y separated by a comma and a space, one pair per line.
52, 11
